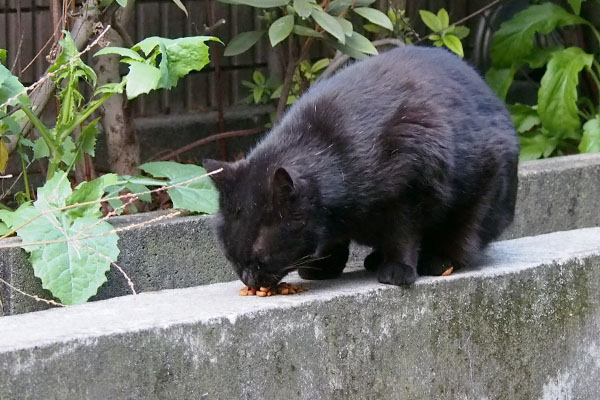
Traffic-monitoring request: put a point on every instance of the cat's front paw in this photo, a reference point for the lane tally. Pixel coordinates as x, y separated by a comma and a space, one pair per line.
398, 274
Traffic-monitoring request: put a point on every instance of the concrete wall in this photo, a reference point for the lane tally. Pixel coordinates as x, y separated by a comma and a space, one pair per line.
522, 326
556, 194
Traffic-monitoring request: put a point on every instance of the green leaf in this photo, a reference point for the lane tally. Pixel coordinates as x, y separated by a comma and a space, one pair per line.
11, 87
375, 16
372, 28
576, 5
3, 55
557, 97
198, 196
178, 56
431, 20
336, 7
304, 31
361, 43
590, 142
264, 3
350, 51
142, 78
68, 149
3, 229
87, 139
136, 188
329, 23
181, 7
122, 3
320, 64
40, 149
500, 80
514, 40
242, 42
454, 44
346, 26
539, 56
121, 51
257, 93
303, 8
258, 77
524, 117
443, 18
537, 146
72, 270
461, 32
89, 191
281, 29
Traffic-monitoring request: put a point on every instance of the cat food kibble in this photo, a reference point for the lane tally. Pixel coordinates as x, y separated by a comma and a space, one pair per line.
282, 288
448, 271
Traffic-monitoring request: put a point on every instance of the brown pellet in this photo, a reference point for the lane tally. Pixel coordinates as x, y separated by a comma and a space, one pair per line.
282, 288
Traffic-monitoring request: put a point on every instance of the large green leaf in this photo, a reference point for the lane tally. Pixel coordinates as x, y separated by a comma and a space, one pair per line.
304, 31
514, 40
303, 8
524, 117
576, 5
263, 3
10, 87
242, 42
431, 20
536, 146
142, 78
557, 97
198, 196
361, 43
178, 56
121, 51
590, 142
454, 44
375, 16
74, 269
281, 29
336, 7
500, 80
329, 23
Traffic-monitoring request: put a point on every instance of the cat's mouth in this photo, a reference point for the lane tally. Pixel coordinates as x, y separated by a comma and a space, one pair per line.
253, 277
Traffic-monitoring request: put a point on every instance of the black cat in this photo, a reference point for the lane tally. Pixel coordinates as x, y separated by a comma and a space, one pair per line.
408, 152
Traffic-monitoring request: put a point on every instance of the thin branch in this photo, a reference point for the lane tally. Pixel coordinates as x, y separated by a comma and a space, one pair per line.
465, 19
107, 199
52, 74
209, 139
114, 264
340, 59
77, 240
36, 298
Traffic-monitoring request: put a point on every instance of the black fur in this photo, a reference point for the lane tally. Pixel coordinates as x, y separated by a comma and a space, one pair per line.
408, 152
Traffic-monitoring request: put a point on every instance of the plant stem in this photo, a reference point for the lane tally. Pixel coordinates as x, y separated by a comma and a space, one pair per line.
84, 115
42, 129
595, 79
594, 31
24, 169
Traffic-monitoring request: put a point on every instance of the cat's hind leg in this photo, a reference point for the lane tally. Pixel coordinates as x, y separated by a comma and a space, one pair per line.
330, 263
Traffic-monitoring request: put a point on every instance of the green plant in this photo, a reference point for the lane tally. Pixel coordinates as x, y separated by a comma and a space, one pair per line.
260, 88
565, 118
71, 245
444, 34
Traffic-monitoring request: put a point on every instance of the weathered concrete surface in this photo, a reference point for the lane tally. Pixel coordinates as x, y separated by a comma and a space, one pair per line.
557, 194
525, 326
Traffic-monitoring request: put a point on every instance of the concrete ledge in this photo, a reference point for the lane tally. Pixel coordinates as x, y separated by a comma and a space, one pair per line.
556, 194
524, 326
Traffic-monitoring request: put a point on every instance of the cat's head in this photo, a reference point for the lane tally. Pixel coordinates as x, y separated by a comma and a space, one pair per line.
268, 222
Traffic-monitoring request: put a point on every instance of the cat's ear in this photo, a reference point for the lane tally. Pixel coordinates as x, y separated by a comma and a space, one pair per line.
283, 186
224, 178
